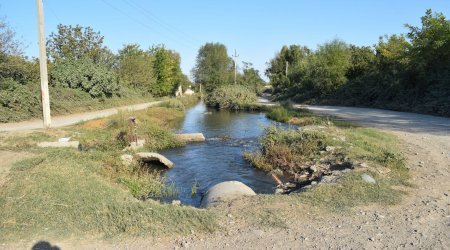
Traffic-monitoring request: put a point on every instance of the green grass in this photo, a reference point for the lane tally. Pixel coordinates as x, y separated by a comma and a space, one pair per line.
66, 195
62, 193
288, 150
279, 114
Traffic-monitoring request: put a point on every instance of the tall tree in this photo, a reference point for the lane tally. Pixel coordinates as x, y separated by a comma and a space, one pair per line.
213, 66
135, 67
167, 71
75, 42
251, 77
9, 45
291, 60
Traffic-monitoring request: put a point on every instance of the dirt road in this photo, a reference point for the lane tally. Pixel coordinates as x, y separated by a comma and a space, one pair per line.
61, 121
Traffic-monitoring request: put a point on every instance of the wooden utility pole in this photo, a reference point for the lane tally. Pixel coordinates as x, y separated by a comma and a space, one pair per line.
235, 56
43, 65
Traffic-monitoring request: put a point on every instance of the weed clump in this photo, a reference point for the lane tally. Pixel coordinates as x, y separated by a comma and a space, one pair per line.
233, 97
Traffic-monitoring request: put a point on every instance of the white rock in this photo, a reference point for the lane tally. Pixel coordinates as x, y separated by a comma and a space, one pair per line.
225, 191
176, 202
151, 157
126, 159
368, 179
192, 137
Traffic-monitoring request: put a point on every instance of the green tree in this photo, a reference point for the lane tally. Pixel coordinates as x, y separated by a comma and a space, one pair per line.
293, 58
328, 67
429, 55
135, 67
363, 60
167, 71
251, 77
213, 66
75, 42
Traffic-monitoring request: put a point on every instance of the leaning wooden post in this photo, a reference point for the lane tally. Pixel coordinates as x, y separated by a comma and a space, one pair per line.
43, 66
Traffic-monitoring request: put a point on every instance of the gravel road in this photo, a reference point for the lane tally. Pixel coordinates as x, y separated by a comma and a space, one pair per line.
61, 121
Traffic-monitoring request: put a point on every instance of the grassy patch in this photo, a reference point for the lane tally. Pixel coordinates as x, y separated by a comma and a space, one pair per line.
28, 164
65, 196
69, 193
313, 151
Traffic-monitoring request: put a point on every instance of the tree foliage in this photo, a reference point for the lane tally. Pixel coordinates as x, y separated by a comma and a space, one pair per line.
84, 74
167, 71
75, 42
402, 72
135, 67
213, 66
250, 77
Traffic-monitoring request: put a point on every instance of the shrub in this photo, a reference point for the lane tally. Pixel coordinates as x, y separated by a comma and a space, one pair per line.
174, 104
234, 97
17, 101
83, 74
279, 114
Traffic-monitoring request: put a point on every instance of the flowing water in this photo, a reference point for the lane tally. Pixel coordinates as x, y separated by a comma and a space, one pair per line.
219, 159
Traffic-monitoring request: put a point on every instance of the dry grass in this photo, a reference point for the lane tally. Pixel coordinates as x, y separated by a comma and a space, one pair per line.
62, 193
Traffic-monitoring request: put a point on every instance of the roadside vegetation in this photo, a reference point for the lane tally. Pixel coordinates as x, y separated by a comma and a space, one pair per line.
406, 72
83, 74
324, 161
65, 192
233, 97
214, 70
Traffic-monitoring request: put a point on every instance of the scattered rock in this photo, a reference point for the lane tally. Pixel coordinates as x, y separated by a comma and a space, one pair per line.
57, 144
192, 137
126, 159
64, 139
176, 202
330, 148
364, 165
152, 157
368, 179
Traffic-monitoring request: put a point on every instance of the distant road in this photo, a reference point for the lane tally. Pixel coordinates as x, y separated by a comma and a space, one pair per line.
61, 121
387, 119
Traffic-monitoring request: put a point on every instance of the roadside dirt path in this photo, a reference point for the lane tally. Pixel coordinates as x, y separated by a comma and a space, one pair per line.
61, 121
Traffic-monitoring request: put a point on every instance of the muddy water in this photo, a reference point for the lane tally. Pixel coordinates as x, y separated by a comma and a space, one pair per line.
220, 157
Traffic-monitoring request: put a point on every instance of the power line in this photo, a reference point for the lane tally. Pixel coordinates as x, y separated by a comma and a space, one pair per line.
164, 24
143, 24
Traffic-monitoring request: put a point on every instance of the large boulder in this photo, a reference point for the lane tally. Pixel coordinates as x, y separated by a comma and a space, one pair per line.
153, 157
225, 191
192, 137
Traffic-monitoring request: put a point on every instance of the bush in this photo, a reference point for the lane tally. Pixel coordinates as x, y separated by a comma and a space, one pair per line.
83, 74
279, 114
173, 103
232, 97
17, 101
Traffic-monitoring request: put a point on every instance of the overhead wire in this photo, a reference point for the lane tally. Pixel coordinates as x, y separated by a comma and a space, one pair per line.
181, 42
159, 21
